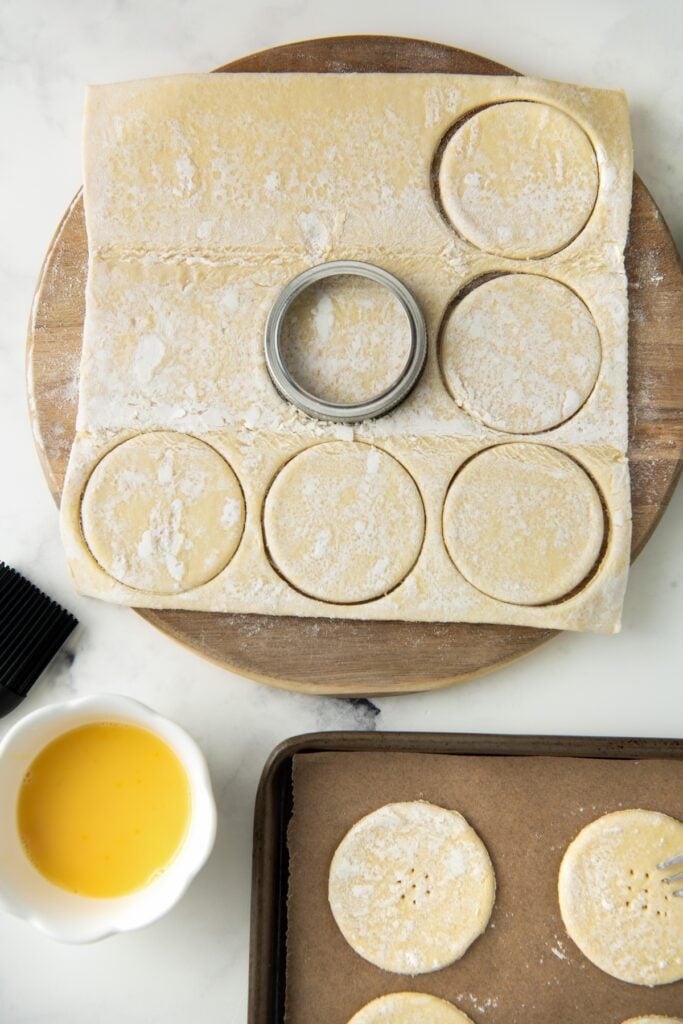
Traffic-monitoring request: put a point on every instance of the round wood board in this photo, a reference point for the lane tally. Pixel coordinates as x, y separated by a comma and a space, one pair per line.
343, 657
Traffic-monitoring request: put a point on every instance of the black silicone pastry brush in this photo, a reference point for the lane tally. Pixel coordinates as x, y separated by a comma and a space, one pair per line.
32, 629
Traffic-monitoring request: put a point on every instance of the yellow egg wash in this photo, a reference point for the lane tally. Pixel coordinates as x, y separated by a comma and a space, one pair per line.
103, 808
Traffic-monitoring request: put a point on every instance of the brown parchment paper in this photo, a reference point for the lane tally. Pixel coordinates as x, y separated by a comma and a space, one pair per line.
524, 969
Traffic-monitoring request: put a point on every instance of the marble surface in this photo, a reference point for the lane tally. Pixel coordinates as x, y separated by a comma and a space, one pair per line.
192, 966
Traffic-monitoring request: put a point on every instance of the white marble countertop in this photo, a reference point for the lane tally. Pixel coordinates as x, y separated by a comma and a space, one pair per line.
192, 966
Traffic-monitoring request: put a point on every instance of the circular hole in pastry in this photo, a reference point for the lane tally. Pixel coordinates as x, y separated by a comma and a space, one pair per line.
345, 339
517, 179
162, 512
519, 352
343, 522
524, 523
641, 948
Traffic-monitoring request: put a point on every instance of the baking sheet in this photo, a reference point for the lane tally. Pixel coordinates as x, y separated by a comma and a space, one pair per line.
524, 969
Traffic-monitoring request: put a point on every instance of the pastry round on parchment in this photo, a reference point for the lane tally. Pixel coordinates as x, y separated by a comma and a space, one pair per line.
520, 352
653, 1019
411, 886
614, 902
343, 522
518, 179
523, 523
162, 512
409, 1008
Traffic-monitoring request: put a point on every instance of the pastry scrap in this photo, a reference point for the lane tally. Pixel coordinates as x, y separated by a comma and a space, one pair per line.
614, 902
409, 1008
411, 886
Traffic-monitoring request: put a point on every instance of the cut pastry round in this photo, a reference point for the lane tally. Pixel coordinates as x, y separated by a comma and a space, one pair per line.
656, 1019
162, 512
614, 902
523, 523
343, 522
519, 179
411, 887
520, 352
409, 1008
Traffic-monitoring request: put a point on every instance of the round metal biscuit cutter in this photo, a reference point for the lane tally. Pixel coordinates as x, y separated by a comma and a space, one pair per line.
379, 404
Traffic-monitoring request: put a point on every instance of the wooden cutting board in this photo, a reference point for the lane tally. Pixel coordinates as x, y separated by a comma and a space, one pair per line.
344, 657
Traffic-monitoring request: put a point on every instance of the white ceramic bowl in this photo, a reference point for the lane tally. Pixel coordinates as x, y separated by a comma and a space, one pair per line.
66, 916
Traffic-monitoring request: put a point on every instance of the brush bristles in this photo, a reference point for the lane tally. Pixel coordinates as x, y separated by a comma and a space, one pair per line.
32, 629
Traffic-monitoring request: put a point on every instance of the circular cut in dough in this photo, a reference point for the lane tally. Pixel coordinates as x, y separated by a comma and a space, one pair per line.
409, 1008
346, 339
519, 179
520, 352
614, 902
343, 522
411, 887
162, 512
523, 523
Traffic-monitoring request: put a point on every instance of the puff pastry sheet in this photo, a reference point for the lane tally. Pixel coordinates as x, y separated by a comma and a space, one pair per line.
205, 194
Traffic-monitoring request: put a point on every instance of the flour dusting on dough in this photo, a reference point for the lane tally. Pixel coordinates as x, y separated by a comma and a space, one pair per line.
194, 231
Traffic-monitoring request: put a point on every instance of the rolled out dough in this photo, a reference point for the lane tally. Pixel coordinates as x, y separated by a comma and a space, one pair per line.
411, 887
205, 194
409, 1008
614, 902
519, 179
344, 522
162, 512
523, 523
520, 352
